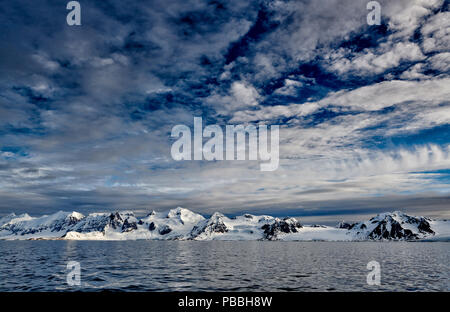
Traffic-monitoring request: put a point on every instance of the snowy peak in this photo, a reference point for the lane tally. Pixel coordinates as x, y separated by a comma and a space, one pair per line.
75, 216
184, 215
12, 216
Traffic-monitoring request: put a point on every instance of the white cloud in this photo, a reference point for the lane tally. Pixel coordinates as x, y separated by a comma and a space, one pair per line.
377, 61
418, 105
45, 61
389, 93
7, 154
360, 174
275, 112
414, 72
290, 87
244, 94
406, 15
368, 98
441, 62
241, 95
436, 33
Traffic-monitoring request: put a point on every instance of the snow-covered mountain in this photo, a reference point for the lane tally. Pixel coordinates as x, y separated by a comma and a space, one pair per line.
183, 224
396, 225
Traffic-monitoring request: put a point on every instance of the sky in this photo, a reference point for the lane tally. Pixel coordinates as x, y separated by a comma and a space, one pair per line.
86, 111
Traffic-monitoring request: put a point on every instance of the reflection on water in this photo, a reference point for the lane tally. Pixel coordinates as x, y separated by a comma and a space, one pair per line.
227, 266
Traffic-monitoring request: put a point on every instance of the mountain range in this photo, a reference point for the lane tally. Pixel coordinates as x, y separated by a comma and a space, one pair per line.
183, 224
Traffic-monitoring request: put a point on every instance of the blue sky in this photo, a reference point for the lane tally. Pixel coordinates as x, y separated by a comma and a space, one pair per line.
86, 111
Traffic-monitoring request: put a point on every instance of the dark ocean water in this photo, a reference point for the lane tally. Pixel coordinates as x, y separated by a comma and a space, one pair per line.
223, 266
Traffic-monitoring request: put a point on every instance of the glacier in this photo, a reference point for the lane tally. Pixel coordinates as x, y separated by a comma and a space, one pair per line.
184, 224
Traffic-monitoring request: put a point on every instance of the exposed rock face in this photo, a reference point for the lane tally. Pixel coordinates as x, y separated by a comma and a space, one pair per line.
165, 230
391, 229
345, 225
129, 226
215, 224
393, 226
95, 222
125, 221
65, 222
115, 220
287, 225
